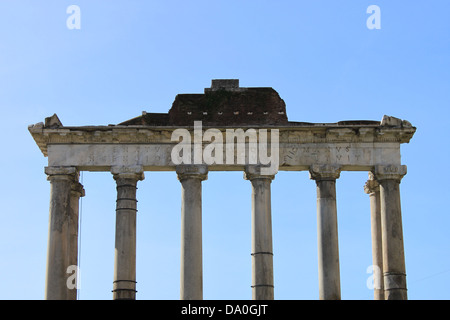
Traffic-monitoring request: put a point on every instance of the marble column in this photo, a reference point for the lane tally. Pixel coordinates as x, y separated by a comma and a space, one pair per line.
372, 188
327, 231
124, 284
65, 192
394, 270
191, 177
262, 250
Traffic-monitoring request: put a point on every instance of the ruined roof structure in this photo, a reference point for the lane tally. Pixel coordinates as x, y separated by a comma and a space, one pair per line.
227, 104
224, 104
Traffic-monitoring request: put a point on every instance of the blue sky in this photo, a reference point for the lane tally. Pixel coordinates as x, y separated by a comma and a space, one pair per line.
131, 56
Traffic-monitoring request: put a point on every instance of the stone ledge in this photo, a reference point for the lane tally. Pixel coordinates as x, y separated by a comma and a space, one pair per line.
324, 172
144, 135
128, 172
389, 172
197, 171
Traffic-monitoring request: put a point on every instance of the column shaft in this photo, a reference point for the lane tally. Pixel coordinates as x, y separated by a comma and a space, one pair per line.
124, 285
191, 177
77, 191
62, 253
327, 231
262, 249
372, 188
389, 178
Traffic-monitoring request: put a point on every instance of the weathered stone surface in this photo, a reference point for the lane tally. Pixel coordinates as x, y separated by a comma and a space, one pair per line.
191, 177
223, 84
262, 249
327, 231
389, 172
62, 253
372, 188
102, 147
395, 122
53, 122
100, 157
389, 178
192, 171
124, 284
224, 104
324, 172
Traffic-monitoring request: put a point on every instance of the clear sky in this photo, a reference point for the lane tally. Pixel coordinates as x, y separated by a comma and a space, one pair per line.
133, 56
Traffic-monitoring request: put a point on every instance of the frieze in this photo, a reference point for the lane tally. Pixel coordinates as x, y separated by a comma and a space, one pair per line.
288, 135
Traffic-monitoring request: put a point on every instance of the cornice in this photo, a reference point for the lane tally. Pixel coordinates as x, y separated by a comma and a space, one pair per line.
290, 134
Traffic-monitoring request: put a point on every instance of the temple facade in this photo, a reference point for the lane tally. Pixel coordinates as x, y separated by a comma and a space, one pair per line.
226, 128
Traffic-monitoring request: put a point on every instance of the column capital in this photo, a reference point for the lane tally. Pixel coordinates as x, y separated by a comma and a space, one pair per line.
389, 172
128, 172
196, 171
324, 172
254, 172
371, 185
77, 189
61, 172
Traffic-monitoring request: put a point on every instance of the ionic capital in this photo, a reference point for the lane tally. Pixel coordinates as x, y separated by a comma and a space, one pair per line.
128, 172
77, 189
371, 185
254, 172
194, 171
67, 173
324, 172
389, 172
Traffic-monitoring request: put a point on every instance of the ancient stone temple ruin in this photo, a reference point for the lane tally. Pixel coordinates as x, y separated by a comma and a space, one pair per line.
239, 118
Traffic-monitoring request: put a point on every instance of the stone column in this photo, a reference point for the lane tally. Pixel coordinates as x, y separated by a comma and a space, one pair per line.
191, 177
124, 285
262, 251
389, 178
327, 231
65, 192
372, 188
